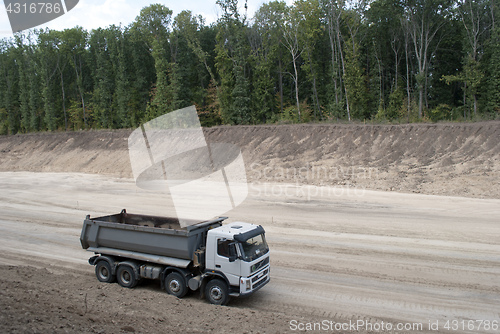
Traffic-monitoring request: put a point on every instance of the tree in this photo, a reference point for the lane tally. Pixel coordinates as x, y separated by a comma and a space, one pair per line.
142, 73
354, 76
474, 16
385, 33
121, 95
103, 75
425, 18
21, 56
35, 103
185, 67
333, 12
232, 48
9, 87
492, 91
267, 59
195, 76
355, 82
49, 57
153, 24
291, 36
74, 44
310, 31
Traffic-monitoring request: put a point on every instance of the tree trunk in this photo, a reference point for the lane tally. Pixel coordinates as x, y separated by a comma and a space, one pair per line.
296, 79
280, 82
332, 46
475, 104
420, 100
465, 100
343, 73
315, 90
63, 102
79, 85
408, 95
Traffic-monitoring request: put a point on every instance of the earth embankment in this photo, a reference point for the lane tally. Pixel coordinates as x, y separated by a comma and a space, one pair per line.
455, 159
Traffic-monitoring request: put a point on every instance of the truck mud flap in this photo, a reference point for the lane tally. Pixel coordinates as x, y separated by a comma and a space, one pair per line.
92, 260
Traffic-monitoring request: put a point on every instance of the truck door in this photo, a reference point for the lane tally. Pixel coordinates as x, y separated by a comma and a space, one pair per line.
225, 248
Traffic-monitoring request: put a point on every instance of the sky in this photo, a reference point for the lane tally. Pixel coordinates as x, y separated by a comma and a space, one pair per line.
92, 14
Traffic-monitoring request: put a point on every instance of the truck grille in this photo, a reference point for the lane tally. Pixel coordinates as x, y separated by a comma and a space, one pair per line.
260, 264
260, 278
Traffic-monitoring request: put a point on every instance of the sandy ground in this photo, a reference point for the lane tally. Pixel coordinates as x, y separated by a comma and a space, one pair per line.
373, 229
340, 256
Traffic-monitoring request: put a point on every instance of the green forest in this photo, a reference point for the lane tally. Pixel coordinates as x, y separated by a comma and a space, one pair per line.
314, 61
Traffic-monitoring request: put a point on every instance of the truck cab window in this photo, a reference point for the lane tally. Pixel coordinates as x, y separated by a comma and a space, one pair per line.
223, 247
254, 248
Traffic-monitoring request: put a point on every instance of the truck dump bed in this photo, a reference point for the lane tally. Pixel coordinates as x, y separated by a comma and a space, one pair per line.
161, 236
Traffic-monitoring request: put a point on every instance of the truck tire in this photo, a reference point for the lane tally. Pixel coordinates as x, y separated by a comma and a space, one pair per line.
103, 272
217, 292
126, 277
175, 285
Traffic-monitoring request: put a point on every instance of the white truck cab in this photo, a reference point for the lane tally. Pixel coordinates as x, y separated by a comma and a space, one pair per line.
239, 252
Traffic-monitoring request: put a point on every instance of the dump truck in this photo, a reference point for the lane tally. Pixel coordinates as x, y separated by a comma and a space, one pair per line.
221, 261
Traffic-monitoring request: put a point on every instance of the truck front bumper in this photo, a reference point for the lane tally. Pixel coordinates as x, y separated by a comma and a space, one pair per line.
248, 285
256, 288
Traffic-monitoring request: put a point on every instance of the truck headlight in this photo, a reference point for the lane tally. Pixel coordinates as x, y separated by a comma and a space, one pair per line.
246, 283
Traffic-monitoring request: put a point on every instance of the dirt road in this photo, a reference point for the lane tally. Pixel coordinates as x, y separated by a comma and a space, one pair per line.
338, 254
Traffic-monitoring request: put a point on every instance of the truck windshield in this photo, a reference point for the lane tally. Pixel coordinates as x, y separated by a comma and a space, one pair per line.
254, 248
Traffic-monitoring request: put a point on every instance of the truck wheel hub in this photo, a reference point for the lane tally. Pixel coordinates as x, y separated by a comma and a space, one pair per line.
174, 286
216, 293
125, 277
104, 272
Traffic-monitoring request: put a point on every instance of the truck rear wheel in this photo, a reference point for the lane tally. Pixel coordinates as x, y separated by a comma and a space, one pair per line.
217, 292
175, 285
103, 272
126, 277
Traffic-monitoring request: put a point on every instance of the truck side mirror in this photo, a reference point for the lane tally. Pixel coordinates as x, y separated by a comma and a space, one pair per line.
232, 252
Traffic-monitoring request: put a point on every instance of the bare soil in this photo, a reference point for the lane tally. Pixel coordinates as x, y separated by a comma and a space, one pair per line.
34, 300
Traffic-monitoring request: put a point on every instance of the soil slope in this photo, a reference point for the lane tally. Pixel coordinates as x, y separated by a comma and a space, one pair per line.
441, 159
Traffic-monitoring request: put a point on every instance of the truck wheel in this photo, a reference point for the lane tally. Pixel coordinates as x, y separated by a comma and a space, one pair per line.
175, 285
103, 272
217, 292
126, 277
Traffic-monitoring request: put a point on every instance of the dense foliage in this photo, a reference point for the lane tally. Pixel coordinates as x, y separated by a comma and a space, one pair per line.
396, 60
